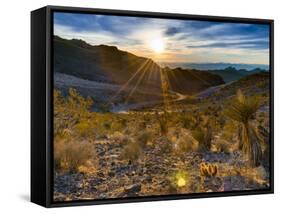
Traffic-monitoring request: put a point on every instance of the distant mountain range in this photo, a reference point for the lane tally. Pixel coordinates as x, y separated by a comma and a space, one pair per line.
231, 73
108, 64
216, 66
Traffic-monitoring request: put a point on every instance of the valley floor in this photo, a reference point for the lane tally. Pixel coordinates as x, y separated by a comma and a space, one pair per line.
155, 173
192, 145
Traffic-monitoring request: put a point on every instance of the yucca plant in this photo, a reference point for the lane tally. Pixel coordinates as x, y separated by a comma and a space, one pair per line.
243, 110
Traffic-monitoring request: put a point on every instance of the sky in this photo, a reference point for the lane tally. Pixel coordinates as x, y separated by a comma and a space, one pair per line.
170, 40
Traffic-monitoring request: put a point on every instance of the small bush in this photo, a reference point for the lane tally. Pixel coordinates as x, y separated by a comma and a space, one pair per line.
132, 151
143, 138
184, 142
119, 137
229, 130
165, 145
223, 146
163, 123
84, 129
199, 135
188, 121
184, 146
204, 136
107, 125
71, 155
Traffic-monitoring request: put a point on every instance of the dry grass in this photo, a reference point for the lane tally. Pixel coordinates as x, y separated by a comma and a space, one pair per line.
72, 155
131, 151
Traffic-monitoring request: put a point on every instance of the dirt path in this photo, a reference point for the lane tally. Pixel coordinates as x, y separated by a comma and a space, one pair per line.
211, 90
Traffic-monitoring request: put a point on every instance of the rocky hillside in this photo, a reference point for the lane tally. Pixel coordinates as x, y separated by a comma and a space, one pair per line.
253, 84
108, 64
189, 81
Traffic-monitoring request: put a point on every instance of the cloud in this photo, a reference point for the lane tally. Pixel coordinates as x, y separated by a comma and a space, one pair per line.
239, 45
185, 40
172, 31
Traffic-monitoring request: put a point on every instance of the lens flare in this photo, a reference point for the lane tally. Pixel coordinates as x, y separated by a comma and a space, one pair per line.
157, 45
181, 182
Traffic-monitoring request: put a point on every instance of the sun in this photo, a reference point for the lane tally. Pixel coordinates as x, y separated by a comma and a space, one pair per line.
157, 45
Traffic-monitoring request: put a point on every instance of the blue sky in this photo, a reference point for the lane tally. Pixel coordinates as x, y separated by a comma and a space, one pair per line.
170, 40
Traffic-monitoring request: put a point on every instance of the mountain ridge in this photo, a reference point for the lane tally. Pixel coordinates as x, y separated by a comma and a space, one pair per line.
103, 63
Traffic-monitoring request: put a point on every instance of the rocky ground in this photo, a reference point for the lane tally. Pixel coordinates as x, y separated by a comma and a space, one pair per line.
155, 173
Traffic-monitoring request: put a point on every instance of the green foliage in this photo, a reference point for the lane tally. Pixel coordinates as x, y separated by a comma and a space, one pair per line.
70, 111
77, 103
85, 129
243, 109
71, 127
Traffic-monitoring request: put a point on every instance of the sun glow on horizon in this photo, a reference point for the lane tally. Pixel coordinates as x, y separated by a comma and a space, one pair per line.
157, 45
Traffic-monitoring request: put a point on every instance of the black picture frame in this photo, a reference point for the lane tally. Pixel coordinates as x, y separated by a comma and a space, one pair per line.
42, 111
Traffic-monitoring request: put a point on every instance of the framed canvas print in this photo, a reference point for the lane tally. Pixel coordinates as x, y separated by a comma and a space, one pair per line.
138, 106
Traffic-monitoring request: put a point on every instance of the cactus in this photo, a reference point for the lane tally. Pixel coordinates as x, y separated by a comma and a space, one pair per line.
208, 170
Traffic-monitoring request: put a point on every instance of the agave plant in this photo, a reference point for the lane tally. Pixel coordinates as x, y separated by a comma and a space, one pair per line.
243, 110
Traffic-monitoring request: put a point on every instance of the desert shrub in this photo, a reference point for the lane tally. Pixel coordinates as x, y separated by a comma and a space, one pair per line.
208, 136
141, 125
70, 110
78, 104
120, 137
163, 123
131, 151
165, 145
229, 130
107, 125
183, 142
188, 121
143, 137
123, 122
199, 135
71, 126
70, 155
203, 136
104, 108
184, 146
262, 84
84, 129
243, 110
223, 146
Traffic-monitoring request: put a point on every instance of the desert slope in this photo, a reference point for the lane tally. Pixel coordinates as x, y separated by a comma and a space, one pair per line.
108, 64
